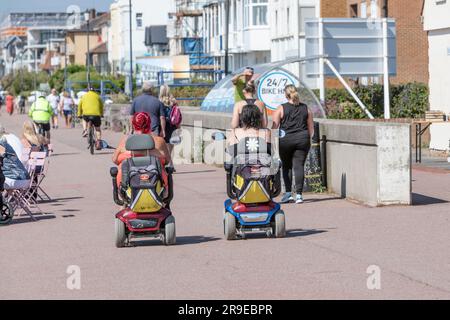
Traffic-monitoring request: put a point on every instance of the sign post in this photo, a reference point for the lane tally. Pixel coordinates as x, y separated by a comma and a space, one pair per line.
387, 100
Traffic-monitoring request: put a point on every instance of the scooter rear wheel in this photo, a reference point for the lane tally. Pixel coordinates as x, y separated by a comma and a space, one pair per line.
229, 226
170, 237
280, 225
6, 214
121, 235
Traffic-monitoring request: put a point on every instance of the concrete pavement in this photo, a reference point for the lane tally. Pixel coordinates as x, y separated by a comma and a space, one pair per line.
329, 246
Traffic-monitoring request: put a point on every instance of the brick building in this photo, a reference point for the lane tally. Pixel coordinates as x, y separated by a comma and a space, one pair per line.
412, 41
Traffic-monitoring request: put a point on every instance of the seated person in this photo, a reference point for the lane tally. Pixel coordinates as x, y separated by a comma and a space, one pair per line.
251, 127
16, 176
142, 125
249, 93
32, 140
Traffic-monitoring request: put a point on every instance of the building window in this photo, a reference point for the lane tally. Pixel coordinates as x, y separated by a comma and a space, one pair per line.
306, 13
354, 11
255, 13
276, 22
139, 20
288, 21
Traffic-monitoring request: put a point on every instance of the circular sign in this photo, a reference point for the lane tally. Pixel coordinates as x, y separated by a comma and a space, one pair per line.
271, 88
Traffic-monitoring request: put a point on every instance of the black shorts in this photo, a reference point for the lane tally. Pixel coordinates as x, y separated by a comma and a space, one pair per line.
45, 126
96, 120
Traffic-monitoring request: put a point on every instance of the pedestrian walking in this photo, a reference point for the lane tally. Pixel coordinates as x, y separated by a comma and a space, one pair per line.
296, 122
21, 104
153, 107
172, 114
66, 106
9, 102
240, 81
249, 92
54, 99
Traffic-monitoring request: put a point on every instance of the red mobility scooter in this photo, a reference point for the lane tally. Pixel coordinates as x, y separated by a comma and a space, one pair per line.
145, 200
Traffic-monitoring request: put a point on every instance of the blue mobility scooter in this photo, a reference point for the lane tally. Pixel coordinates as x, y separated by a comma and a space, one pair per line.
253, 181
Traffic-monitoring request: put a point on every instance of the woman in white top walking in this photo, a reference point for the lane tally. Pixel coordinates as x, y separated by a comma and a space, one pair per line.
66, 106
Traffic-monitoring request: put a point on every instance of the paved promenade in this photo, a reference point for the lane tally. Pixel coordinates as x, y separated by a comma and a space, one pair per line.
329, 246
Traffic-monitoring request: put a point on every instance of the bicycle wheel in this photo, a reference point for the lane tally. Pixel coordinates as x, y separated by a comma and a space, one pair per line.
91, 140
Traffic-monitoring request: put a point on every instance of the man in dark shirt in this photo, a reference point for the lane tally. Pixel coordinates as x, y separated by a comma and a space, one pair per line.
151, 105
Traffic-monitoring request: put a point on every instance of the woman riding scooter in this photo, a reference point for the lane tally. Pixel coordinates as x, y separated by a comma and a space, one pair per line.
142, 125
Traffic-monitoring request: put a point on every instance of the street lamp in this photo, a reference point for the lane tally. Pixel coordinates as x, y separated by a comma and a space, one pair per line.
87, 17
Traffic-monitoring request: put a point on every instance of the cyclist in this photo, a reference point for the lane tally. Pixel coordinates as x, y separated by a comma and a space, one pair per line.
90, 109
41, 113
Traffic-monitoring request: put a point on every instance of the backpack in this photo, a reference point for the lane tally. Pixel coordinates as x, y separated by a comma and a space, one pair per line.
175, 116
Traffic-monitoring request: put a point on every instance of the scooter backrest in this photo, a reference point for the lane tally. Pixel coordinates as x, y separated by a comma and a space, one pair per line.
140, 142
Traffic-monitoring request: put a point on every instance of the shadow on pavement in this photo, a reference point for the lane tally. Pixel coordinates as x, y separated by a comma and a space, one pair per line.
422, 200
60, 200
65, 154
321, 199
193, 172
181, 241
303, 232
24, 219
293, 233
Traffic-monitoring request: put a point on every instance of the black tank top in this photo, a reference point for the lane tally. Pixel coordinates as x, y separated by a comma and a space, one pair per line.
295, 118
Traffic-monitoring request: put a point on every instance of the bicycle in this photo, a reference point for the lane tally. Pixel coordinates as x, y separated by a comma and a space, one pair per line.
92, 139
40, 128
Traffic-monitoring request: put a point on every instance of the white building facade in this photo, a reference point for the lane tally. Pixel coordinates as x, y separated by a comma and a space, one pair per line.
287, 18
145, 13
437, 24
249, 32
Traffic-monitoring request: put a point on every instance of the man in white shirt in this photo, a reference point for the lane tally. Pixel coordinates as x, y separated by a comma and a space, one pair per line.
53, 99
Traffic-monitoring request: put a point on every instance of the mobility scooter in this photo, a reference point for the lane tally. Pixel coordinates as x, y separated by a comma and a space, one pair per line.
253, 181
146, 204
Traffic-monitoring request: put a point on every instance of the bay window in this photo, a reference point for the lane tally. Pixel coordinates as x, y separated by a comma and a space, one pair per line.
255, 13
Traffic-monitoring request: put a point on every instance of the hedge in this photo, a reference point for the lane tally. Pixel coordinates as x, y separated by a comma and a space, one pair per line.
408, 100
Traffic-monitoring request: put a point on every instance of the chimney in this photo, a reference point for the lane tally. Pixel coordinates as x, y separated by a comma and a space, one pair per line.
92, 14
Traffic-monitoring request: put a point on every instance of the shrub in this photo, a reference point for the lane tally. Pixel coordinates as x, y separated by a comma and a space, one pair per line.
408, 100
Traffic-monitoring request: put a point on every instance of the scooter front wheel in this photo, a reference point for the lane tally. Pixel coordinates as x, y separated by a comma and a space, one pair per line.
280, 225
229, 226
170, 237
121, 235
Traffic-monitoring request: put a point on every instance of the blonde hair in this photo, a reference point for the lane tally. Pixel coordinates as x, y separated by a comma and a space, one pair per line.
164, 95
29, 134
292, 94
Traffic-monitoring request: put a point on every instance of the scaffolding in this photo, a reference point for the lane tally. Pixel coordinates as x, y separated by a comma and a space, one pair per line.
188, 32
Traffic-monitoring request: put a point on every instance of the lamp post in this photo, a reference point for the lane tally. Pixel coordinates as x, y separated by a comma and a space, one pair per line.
88, 74
131, 49
227, 35
65, 60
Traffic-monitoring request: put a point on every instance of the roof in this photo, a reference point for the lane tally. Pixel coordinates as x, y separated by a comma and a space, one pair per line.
94, 24
102, 48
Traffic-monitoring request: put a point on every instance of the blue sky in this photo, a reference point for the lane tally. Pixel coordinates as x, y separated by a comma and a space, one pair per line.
7, 6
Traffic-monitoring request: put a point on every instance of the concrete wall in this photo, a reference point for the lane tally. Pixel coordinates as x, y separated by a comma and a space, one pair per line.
369, 162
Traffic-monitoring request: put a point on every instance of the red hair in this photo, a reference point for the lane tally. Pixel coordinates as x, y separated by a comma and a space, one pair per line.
142, 122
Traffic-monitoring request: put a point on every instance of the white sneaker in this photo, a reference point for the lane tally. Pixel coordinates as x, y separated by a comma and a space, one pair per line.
287, 198
299, 199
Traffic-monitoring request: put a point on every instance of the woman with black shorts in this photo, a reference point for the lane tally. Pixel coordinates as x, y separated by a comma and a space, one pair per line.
296, 122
